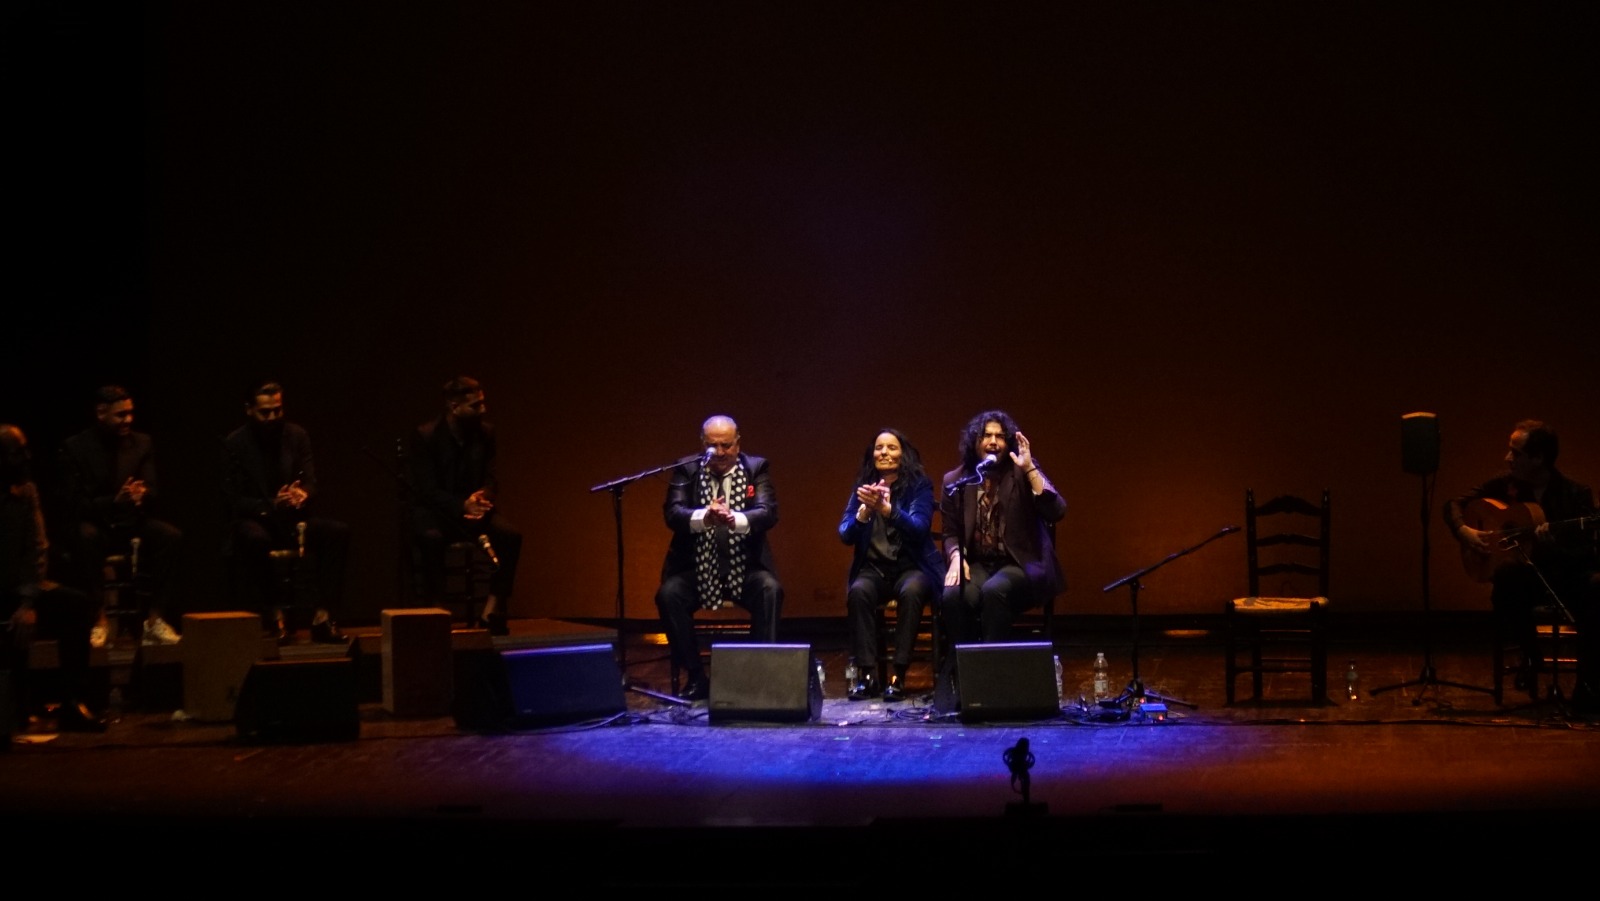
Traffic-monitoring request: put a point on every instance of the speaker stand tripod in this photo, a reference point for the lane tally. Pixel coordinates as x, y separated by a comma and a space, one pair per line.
1136, 694
1428, 678
616, 486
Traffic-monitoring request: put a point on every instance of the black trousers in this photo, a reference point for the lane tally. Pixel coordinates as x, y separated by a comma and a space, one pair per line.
872, 589
64, 615
159, 545
985, 608
679, 597
433, 538
317, 580
1521, 587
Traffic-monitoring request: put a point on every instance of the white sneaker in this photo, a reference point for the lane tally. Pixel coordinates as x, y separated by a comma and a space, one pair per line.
156, 631
98, 636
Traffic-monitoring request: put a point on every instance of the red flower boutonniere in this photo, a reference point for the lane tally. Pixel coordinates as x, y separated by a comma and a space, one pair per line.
749, 491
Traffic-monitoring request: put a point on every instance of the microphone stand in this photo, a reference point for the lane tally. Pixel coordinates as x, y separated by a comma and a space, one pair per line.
616, 486
1136, 693
949, 699
1553, 693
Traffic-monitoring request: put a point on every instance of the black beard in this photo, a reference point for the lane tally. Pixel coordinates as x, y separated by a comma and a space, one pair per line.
267, 432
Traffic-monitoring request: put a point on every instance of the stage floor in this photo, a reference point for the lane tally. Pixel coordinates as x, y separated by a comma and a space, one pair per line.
653, 787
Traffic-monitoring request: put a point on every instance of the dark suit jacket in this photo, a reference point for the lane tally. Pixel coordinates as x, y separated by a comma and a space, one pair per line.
92, 472
761, 508
23, 547
445, 472
250, 479
910, 522
1027, 526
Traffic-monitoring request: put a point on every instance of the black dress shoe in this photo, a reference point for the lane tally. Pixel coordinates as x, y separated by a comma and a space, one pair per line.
328, 632
279, 632
79, 718
866, 687
494, 624
698, 688
894, 691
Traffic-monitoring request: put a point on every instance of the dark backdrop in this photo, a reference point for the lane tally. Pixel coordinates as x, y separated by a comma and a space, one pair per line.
1193, 248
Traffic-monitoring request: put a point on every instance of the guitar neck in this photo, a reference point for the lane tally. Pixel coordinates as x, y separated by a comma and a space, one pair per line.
1577, 523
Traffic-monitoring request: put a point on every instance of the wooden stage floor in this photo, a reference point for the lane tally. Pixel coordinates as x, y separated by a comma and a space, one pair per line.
866, 795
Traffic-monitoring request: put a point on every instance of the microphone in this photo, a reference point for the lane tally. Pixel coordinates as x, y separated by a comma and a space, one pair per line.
483, 542
705, 458
984, 465
300, 537
133, 556
1227, 530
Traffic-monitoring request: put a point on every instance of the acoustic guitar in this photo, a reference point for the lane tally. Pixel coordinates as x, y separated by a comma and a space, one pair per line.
1508, 523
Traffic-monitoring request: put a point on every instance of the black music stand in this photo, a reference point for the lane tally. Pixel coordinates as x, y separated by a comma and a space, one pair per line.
1428, 677
616, 486
1136, 694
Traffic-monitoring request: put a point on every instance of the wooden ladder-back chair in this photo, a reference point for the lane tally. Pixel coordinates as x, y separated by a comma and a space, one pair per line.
1280, 626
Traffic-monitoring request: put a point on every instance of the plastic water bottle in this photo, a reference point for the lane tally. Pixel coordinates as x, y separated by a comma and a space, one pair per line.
850, 673
1352, 682
1102, 677
1060, 689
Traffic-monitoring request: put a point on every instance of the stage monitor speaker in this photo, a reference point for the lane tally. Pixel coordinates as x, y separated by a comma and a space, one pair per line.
536, 687
764, 682
1419, 443
299, 701
1007, 681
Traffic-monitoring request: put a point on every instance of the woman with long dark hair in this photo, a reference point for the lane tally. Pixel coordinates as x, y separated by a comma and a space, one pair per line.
887, 519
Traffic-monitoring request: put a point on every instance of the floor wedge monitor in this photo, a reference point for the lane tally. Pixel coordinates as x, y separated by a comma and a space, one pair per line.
299, 701
1007, 681
767, 682
536, 687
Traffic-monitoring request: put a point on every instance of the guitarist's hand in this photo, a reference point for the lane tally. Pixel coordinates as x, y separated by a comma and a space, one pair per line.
1474, 539
1541, 532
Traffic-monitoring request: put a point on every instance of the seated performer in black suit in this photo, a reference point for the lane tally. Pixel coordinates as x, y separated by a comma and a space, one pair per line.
109, 475
31, 604
453, 493
719, 508
998, 513
270, 487
1554, 562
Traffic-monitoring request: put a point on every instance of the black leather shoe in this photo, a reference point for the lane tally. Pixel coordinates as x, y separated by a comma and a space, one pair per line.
698, 688
494, 623
79, 718
866, 687
278, 631
328, 632
894, 691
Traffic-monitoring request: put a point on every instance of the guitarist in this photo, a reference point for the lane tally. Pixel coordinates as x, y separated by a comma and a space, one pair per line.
1565, 557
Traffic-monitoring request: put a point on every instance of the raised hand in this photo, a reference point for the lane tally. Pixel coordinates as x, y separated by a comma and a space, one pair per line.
1023, 455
